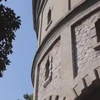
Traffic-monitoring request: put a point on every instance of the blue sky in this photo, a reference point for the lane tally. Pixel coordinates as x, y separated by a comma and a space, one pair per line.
17, 78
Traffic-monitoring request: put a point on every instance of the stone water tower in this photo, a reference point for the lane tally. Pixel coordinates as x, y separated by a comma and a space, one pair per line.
67, 62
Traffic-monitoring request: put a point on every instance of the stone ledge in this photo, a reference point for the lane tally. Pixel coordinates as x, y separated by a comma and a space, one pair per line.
47, 82
97, 46
48, 25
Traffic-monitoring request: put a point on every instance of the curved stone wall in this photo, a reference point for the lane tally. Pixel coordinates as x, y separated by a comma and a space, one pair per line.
68, 57
54, 80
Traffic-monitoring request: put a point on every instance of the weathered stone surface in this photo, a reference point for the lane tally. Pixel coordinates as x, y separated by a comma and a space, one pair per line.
73, 30
78, 88
56, 73
83, 42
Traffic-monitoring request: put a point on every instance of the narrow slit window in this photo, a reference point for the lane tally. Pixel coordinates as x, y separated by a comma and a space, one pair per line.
49, 16
47, 69
50, 98
57, 97
97, 25
64, 98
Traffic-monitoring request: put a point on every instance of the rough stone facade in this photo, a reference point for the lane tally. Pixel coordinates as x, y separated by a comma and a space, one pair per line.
56, 71
67, 62
83, 42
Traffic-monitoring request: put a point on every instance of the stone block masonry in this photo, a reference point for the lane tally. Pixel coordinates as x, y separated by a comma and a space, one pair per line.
56, 71
84, 52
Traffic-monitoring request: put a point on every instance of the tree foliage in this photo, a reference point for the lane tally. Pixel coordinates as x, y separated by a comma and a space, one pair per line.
28, 97
9, 23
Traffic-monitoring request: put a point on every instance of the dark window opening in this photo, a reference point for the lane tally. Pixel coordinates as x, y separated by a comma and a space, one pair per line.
47, 69
69, 4
57, 97
50, 98
97, 25
49, 16
64, 98
74, 53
